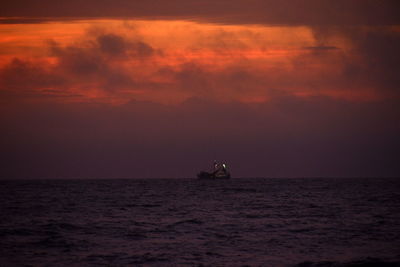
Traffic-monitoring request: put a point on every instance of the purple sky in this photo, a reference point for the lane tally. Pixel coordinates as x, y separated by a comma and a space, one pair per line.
146, 89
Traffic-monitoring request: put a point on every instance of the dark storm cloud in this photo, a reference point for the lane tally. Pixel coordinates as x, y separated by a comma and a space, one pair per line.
381, 57
90, 57
116, 45
20, 75
288, 136
88, 60
193, 77
373, 57
144, 50
287, 12
80, 61
234, 82
97, 61
112, 44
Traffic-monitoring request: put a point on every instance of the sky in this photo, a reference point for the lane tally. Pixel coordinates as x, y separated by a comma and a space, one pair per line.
161, 89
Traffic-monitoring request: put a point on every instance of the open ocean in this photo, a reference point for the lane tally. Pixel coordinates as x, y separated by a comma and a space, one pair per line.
190, 222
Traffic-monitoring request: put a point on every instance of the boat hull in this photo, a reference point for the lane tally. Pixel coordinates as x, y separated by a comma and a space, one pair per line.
213, 176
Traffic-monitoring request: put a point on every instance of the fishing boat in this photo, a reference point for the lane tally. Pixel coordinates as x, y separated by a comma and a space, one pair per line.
220, 172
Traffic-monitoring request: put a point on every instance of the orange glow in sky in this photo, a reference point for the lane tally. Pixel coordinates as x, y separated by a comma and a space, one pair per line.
117, 61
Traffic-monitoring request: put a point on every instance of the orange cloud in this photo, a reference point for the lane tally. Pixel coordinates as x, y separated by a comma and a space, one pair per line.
170, 61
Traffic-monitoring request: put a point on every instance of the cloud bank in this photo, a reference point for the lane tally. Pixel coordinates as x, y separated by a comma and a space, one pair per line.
217, 63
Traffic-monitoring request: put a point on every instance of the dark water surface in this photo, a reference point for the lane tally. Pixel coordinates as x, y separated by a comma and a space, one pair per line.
170, 222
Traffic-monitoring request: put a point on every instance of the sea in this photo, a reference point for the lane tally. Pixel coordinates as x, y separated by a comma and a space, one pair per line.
191, 222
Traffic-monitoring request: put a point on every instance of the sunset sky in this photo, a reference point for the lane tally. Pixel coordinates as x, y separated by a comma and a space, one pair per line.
146, 89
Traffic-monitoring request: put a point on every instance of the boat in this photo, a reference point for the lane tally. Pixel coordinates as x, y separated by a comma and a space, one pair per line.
220, 172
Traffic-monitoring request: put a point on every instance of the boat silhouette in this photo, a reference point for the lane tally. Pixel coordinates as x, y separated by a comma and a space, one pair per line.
220, 172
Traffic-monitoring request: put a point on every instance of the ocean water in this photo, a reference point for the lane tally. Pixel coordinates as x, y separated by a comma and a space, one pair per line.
189, 222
